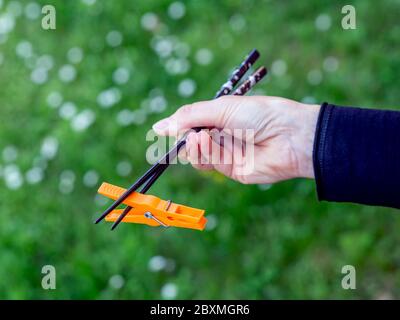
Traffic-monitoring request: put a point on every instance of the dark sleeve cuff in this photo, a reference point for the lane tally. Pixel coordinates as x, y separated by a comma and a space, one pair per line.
356, 155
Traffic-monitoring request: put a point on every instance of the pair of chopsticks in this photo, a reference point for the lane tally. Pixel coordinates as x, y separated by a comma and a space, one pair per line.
156, 170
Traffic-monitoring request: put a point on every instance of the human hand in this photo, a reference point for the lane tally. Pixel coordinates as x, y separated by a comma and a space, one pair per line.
282, 140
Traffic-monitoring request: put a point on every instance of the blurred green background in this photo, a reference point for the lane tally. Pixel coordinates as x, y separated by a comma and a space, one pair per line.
77, 102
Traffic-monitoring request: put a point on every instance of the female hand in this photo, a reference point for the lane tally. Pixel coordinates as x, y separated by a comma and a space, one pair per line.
282, 141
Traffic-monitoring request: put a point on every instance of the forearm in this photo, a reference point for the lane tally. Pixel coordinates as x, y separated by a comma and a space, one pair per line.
356, 155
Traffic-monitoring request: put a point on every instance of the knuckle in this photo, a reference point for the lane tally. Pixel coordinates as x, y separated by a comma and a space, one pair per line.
185, 110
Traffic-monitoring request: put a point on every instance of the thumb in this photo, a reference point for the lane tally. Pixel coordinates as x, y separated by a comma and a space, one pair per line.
209, 113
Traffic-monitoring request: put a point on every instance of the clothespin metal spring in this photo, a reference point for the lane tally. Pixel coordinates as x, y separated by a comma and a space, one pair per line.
149, 215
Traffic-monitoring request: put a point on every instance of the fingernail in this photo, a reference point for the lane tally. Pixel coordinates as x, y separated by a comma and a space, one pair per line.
161, 125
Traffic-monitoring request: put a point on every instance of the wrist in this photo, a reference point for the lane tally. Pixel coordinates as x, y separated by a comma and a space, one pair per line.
304, 147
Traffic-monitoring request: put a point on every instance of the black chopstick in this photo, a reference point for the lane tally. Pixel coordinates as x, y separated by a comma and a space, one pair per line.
147, 186
225, 89
251, 81
238, 74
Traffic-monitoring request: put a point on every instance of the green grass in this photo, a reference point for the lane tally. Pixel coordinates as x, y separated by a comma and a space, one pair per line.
266, 244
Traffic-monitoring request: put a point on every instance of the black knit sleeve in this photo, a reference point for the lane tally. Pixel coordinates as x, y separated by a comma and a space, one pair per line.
356, 155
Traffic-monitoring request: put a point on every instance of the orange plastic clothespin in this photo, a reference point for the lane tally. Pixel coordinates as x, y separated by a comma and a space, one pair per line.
153, 211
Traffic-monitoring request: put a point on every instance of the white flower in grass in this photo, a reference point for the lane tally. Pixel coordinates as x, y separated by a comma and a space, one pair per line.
10, 153
39, 75
212, 222
124, 168
116, 281
176, 10
186, 88
125, 117
67, 73
158, 104
114, 38
54, 99
177, 66
67, 110
75, 55
32, 10
90, 178
109, 97
67, 181
331, 64
34, 175
49, 148
279, 67
121, 75
323, 22
314, 77
164, 47
7, 23
157, 263
83, 120
45, 61
204, 56
13, 177
169, 291
149, 21
23, 49
237, 22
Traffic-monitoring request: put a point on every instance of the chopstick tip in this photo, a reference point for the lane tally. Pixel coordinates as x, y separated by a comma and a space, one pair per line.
98, 220
116, 223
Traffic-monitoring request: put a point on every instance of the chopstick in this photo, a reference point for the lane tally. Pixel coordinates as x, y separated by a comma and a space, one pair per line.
238, 74
247, 85
159, 167
147, 186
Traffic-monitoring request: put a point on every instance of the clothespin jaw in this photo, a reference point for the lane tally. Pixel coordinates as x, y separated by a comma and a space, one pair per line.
153, 211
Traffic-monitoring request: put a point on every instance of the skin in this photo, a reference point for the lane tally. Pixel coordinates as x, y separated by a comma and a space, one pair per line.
283, 136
